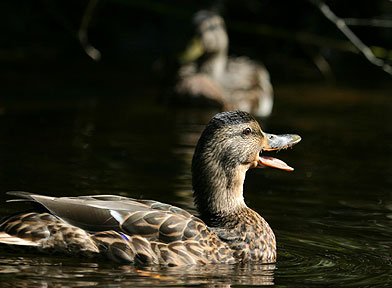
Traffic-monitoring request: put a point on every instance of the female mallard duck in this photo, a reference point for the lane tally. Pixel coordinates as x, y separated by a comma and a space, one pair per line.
215, 79
150, 232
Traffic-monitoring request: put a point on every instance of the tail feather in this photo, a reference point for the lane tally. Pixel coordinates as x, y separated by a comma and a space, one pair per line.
45, 231
24, 196
8, 239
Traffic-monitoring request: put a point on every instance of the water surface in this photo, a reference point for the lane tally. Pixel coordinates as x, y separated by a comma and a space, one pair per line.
332, 216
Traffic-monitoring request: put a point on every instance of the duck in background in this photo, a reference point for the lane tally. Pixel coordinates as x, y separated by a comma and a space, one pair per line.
149, 232
214, 79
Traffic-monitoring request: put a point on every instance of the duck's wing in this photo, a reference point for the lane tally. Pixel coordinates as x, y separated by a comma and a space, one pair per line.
146, 218
124, 229
202, 90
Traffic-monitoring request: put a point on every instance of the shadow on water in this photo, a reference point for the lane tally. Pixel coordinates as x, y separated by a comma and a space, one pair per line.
332, 216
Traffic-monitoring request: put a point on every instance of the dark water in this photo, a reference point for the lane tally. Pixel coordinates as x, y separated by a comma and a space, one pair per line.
332, 216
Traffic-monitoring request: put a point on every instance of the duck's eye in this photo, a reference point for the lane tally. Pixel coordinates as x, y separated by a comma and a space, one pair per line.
247, 131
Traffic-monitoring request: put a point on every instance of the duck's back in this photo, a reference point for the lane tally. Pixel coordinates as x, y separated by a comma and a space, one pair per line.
125, 229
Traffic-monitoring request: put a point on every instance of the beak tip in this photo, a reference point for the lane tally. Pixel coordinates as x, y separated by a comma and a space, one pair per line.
296, 139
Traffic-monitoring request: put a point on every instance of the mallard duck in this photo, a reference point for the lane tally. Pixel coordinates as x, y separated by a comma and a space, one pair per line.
149, 232
214, 79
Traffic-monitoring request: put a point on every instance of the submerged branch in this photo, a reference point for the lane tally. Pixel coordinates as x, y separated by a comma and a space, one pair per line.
342, 26
83, 32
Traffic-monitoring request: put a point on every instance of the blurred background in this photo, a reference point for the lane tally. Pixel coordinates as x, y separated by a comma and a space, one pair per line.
139, 43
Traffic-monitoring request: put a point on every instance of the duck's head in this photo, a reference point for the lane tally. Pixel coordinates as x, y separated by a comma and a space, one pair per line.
231, 143
211, 30
210, 37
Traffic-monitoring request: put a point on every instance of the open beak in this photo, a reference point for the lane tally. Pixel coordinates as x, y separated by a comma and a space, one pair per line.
277, 142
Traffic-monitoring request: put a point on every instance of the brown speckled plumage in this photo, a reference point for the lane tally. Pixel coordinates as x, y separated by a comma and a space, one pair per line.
149, 232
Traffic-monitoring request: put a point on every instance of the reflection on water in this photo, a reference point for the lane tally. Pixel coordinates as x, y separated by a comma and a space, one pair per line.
40, 272
332, 215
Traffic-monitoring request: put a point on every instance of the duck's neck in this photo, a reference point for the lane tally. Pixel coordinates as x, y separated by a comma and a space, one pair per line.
218, 189
214, 64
